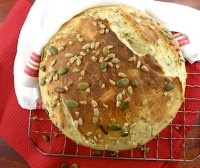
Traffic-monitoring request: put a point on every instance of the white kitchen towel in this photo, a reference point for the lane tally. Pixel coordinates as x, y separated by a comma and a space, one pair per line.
179, 18
45, 19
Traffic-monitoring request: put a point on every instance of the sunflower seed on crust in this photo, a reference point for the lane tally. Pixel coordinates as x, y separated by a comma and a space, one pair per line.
122, 75
112, 82
145, 69
139, 63
132, 59
94, 103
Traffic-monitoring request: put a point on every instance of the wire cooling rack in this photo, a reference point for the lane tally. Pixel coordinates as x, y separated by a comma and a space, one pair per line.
183, 131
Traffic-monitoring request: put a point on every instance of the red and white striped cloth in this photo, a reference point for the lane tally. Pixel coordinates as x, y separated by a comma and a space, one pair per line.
181, 38
32, 66
32, 70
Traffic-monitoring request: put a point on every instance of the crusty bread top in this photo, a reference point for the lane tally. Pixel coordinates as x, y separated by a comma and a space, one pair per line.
112, 78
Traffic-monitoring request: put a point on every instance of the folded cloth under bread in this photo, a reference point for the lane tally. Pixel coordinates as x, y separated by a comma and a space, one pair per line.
42, 23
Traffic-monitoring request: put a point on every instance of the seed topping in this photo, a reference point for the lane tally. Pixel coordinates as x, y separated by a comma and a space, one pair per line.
75, 123
43, 68
112, 82
82, 53
45, 138
83, 73
83, 102
106, 51
96, 45
55, 77
122, 82
43, 81
118, 103
170, 36
77, 113
119, 97
114, 127
94, 23
104, 65
124, 105
138, 21
107, 31
111, 56
110, 64
59, 90
80, 121
144, 102
105, 105
168, 87
139, 63
96, 112
95, 120
76, 70
94, 103
86, 46
54, 50
130, 90
103, 86
122, 75
71, 43
94, 59
132, 59
145, 69
115, 60
83, 85
71, 103
165, 94
63, 71
135, 83
89, 133
101, 59
88, 90
78, 36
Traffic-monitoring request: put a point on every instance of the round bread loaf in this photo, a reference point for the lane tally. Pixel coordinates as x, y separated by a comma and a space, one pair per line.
112, 78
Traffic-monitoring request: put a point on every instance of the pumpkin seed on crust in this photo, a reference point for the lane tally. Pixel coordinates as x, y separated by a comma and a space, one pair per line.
83, 85
71, 103
54, 50
43, 68
104, 65
114, 127
43, 81
122, 82
124, 105
135, 83
168, 87
106, 51
63, 70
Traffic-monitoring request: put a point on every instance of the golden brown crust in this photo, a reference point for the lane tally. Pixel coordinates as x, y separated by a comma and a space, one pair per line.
92, 58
